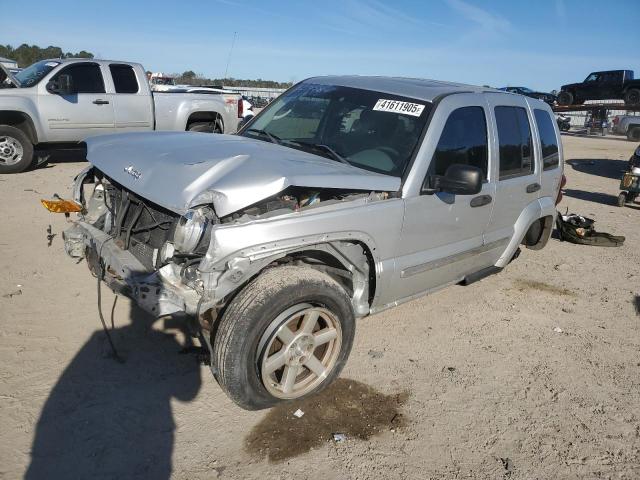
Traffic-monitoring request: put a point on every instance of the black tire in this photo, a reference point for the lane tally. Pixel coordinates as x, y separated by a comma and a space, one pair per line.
565, 98
632, 97
622, 199
247, 318
206, 127
8, 163
633, 134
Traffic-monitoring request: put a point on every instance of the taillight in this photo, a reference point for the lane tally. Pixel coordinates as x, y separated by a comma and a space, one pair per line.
240, 108
563, 182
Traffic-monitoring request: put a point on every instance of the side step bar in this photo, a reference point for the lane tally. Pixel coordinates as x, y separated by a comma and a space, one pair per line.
480, 274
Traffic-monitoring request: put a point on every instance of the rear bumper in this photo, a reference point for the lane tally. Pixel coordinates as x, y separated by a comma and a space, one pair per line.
160, 292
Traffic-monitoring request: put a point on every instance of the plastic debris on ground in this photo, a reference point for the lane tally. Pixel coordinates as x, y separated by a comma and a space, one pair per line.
339, 437
298, 413
558, 330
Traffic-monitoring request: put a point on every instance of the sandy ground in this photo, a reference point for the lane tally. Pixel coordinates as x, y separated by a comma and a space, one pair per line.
471, 382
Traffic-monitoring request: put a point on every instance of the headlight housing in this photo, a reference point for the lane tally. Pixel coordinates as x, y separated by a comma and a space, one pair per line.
190, 229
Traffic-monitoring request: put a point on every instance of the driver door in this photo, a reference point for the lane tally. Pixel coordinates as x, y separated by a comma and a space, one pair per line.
442, 233
85, 112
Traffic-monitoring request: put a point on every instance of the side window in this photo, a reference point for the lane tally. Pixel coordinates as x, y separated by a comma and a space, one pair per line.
124, 78
548, 140
514, 140
85, 77
463, 140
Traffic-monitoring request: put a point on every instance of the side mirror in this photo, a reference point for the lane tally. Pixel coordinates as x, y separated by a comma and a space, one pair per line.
62, 85
458, 179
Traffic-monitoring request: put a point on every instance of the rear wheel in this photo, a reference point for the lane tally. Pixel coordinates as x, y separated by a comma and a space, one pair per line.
632, 97
16, 150
633, 134
207, 127
622, 199
286, 335
565, 98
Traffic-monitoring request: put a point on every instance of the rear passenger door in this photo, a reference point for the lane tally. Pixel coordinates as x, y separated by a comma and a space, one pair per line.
441, 240
518, 175
132, 102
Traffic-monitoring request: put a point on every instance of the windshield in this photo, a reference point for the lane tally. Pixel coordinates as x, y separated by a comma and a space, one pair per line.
367, 129
526, 90
31, 75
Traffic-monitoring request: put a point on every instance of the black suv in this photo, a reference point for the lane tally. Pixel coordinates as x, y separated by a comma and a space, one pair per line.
609, 85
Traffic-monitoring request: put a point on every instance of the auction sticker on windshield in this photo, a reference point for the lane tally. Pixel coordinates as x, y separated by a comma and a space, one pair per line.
396, 106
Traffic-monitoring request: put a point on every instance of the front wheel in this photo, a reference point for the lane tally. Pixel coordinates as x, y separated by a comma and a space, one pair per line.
622, 199
285, 336
565, 98
16, 150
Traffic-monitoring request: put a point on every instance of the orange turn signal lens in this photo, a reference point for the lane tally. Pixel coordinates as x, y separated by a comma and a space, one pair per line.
61, 206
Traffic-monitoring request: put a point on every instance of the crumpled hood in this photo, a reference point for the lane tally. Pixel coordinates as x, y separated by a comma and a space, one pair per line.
179, 170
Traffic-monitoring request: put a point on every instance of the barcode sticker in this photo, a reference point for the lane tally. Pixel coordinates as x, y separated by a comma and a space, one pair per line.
396, 106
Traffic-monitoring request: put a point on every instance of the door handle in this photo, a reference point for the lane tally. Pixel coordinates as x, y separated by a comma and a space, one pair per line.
481, 200
101, 102
533, 187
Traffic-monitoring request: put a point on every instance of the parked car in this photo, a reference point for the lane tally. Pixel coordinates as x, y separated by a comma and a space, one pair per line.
628, 125
346, 196
56, 102
612, 84
549, 98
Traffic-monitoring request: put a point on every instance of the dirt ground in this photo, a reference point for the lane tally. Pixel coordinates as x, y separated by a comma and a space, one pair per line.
471, 382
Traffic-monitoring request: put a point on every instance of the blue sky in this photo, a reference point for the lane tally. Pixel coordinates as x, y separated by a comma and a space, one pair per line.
541, 44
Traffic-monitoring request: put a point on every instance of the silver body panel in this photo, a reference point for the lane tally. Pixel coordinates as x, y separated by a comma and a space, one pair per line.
412, 243
183, 170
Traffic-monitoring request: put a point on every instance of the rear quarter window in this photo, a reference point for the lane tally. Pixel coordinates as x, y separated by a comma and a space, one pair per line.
548, 139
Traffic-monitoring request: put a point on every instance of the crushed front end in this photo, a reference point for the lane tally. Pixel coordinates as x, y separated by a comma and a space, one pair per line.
139, 249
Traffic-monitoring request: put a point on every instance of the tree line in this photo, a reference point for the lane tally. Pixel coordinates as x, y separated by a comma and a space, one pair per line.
191, 78
25, 54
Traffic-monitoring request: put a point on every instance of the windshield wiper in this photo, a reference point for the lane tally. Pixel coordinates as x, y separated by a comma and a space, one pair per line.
272, 138
325, 148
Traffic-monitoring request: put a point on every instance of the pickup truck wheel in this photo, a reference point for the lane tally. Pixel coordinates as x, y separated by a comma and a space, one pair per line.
632, 97
16, 150
286, 335
565, 98
633, 134
206, 127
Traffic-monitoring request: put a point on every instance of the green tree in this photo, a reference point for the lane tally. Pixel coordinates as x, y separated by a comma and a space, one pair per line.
26, 54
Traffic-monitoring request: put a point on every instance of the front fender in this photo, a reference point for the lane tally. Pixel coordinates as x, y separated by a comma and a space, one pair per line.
25, 106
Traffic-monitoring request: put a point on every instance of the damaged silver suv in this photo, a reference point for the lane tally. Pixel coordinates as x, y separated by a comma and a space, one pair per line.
344, 197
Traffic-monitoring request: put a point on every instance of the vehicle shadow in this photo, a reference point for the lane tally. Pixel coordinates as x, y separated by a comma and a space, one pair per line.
595, 197
106, 419
600, 166
71, 155
582, 133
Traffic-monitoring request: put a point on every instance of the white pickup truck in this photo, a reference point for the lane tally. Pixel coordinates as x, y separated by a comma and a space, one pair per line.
54, 103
